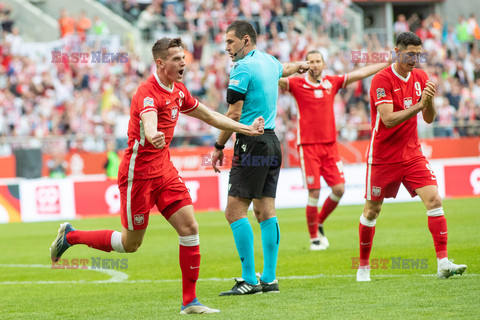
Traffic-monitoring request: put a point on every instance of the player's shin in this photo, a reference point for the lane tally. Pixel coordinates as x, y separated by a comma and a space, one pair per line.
328, 206
189, 255
312, 217
98, 239
437, 224
366, 232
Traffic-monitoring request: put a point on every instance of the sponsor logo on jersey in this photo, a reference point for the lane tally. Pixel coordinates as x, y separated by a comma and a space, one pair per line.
234, 82
407, 102
381, 93
318, 93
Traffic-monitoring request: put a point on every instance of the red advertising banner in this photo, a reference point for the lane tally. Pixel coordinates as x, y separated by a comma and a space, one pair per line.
462, 180
95, 198
199, 158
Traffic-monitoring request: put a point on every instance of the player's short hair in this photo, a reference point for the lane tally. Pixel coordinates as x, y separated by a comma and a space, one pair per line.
160, 48
243, 28
314, 52
405, 39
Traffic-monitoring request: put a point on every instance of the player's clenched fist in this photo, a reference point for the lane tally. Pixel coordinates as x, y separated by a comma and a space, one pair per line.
158, 140
257, 126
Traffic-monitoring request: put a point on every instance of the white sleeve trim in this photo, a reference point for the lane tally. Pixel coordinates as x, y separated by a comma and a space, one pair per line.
383, 101
192, 108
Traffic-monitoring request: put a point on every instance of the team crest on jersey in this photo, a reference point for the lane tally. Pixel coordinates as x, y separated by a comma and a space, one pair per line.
138, 219
407, 102
310, 179
148, 102
376, 191
318, 93
381, 93
174, 113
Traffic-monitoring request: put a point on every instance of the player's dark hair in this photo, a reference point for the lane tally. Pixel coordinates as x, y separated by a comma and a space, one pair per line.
160, 48
243, 28
405, 39
314, 52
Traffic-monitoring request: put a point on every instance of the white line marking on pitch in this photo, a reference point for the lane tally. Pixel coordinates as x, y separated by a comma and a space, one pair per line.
121, 277
115, 275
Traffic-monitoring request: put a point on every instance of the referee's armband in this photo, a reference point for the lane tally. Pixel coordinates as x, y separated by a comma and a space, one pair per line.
234, 96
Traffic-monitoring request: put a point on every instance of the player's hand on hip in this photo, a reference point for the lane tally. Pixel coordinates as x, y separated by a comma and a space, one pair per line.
257, 126
217, 156
158, 140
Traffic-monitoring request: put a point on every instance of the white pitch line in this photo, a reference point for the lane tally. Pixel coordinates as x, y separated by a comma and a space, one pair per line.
121, 277
115, 275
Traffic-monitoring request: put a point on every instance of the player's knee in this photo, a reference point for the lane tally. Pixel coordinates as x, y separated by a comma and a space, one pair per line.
372, 212
338, 190
132, 246
314, 193
189, 228
433, 202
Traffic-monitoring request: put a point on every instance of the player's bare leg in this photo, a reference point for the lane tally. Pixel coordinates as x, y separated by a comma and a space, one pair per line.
187, 229
437, 224
366, 231
328, 206
264, 209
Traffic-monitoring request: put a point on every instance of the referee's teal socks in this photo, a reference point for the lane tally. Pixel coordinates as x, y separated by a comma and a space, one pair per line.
270, 243
243, 235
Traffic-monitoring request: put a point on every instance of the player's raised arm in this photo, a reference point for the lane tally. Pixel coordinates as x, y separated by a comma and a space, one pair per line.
366, 71
290, 68
222, 122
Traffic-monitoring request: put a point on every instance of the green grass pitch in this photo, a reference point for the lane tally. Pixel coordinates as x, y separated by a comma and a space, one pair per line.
313, 285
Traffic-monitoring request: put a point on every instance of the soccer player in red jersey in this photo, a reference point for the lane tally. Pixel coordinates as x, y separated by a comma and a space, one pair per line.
317, 137
147, 177
394, 155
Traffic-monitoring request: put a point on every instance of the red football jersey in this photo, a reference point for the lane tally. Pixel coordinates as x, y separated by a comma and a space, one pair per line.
316, 119
400, 143
142, 160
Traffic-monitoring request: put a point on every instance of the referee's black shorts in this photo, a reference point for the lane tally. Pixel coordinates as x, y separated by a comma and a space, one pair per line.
255, 166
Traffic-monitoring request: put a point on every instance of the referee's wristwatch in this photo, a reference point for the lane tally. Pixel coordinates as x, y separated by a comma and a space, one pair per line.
218, 147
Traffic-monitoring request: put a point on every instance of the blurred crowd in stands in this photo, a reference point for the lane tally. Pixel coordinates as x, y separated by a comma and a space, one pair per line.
87, 101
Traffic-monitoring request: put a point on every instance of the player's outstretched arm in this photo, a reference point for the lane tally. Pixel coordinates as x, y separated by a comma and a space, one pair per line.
157, 138
428, 94
290, 68
366, 71
222, 122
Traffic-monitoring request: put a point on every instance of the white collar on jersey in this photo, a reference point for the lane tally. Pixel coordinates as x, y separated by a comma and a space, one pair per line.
162, 85
312, 83
398, 75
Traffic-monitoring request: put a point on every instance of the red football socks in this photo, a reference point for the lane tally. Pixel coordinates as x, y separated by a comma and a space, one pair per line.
438, 229
98, 239
328, 206
312, 221
190, 266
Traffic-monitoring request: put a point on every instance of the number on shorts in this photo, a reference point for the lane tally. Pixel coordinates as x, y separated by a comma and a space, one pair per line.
429, 167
